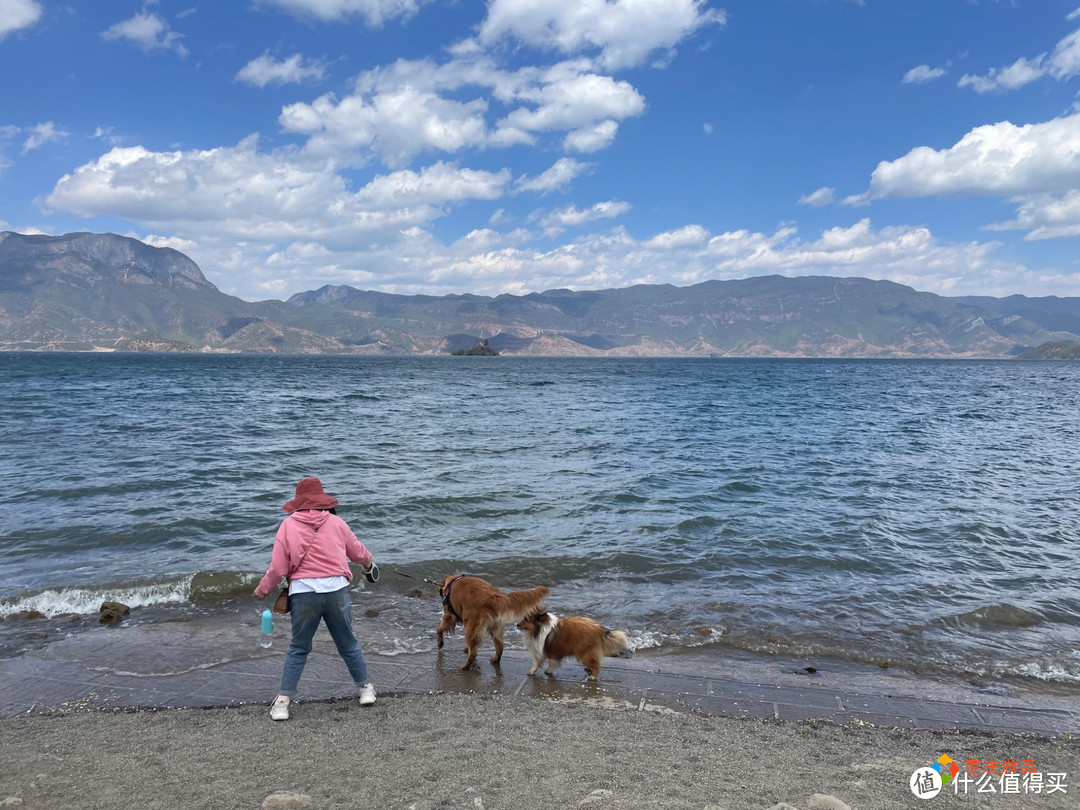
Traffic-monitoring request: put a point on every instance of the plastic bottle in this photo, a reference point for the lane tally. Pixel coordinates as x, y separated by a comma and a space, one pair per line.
267, 629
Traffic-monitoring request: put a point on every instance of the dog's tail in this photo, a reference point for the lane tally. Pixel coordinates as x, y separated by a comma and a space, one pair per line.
614, 642
513, 607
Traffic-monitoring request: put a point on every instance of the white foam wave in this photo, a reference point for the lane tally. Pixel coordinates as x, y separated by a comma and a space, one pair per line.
125, 673
715, 634
65, 601
404, 646
646, 639
1046, 672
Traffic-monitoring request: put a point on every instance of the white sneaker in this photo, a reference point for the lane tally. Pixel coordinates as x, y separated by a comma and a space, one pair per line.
367, 694
280, 709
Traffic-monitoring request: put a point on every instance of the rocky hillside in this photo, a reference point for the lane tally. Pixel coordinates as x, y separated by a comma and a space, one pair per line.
85, 291
88, 291
1056, 350
765, 316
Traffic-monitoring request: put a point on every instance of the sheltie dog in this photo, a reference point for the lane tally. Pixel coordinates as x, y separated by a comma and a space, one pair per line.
551, 638
482, 608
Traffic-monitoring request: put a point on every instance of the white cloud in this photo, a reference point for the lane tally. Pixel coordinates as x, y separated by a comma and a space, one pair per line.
490, 263
238, 193
574, 100
107, 134
1062, 63
174, 242
1065, 60
374, 12
1045, 216
685, 237
41, 134
994, 160
402, 110
624, 32
557, 177
433, 185
1036, 166
18, 14
1022, 71
591, 139
148, 31
264, 224
921, 74
554, 222
855, 201
265, 69
823, 196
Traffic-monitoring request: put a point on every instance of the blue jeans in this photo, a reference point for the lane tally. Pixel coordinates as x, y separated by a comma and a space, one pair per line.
308, 609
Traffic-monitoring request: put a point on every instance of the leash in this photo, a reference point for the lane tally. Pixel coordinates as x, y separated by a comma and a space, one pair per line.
443, 592
410, 576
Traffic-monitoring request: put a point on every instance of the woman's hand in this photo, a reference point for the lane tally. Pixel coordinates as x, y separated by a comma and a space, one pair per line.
258, 594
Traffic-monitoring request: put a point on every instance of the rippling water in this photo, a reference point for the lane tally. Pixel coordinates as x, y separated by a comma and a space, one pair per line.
914, 514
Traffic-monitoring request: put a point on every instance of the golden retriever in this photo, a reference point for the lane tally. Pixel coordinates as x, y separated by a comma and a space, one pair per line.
482, 608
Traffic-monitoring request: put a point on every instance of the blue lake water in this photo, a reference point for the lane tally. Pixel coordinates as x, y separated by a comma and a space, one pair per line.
916, 514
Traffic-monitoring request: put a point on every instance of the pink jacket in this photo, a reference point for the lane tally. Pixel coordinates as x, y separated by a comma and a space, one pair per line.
332, 545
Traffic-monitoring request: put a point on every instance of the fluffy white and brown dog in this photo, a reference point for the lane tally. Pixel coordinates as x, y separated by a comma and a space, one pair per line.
551, 638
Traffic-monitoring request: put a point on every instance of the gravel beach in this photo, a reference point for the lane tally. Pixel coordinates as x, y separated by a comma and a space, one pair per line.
476, 751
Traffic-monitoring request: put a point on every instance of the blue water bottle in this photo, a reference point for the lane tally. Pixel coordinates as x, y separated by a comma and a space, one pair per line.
265, 639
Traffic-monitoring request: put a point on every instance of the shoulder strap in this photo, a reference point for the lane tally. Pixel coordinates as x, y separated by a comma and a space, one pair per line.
303, 554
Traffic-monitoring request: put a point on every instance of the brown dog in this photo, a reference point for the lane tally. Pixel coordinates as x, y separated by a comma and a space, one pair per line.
482, 608
552, 638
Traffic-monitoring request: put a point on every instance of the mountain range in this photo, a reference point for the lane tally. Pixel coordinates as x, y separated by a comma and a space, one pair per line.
102, 292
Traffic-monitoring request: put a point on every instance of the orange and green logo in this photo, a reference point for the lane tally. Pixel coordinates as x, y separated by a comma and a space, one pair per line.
947, 768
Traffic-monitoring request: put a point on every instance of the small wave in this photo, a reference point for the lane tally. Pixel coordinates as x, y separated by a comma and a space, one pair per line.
65, 601
646, 639
215, 585
1001, 615
740, 486
1050, 673
200, 587
400, 646
699, 522
196, 668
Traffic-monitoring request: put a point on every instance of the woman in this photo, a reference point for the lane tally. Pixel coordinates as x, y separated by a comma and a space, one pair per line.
312, 548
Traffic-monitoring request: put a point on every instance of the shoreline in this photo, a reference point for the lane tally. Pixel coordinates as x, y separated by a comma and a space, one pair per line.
157, 715
215, 661
421, 752
397, 619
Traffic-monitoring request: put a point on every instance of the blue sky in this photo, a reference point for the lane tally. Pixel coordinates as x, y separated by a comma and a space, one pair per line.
518, 145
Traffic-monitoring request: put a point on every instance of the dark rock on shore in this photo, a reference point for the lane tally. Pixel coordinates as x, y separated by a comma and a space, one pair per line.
25, 614
113, 612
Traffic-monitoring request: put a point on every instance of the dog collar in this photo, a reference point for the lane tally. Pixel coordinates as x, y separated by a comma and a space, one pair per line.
445, 594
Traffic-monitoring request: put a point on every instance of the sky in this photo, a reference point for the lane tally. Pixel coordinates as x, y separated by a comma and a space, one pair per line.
513, 146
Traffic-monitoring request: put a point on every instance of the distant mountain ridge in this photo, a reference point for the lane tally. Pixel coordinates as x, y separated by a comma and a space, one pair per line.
86, 291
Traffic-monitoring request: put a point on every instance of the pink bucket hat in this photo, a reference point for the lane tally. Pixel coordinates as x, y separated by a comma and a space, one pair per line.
310, 495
